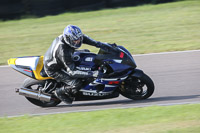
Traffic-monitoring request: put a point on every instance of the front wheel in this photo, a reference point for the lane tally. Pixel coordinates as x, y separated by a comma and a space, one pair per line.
137, 88
36, 85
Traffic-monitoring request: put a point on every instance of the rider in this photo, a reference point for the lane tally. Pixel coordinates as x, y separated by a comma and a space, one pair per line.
58, 61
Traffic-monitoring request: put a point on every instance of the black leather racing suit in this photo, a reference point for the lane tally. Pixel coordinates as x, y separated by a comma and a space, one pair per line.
58, 62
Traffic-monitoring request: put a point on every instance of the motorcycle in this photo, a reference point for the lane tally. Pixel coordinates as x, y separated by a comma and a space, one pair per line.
119, 76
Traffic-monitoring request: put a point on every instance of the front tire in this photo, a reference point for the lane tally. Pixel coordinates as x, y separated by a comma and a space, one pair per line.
137, 88
35, 85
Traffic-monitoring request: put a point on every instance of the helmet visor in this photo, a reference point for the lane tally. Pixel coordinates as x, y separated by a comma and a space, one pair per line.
77, 43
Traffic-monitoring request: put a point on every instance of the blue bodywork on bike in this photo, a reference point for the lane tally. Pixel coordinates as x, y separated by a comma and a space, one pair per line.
116, 65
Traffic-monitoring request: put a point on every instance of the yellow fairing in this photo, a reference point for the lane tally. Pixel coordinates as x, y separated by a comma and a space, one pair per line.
11, 61
39, 69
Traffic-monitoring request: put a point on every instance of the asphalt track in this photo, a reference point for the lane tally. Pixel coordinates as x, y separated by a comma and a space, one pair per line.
176, 76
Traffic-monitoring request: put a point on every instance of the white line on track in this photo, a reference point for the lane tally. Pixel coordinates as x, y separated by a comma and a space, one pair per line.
4, 66
140, 106
161, 53
164, 53
90, 110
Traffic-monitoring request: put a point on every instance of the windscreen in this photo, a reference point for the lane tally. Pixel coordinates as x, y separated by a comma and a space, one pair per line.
119, 53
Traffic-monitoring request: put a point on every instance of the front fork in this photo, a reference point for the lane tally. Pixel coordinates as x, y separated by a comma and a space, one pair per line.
129, 82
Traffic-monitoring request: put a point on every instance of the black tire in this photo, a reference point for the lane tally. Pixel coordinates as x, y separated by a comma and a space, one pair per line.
138, 83
29, 83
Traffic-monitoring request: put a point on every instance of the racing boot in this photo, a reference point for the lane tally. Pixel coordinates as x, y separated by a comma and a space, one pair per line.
64, 95
75, 86
68, 92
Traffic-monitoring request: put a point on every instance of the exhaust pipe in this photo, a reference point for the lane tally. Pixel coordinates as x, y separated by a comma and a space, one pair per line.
34, 94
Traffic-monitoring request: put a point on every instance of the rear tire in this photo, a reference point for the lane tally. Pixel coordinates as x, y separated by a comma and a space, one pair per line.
35, 84
138, 88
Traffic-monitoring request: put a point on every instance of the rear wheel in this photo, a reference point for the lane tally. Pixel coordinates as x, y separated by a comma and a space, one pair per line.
36, 85
137, 88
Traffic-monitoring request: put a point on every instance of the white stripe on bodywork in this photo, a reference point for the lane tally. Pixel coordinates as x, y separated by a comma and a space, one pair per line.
118, 61
94, 91
114, 79
96, 83
111, 85
28, 61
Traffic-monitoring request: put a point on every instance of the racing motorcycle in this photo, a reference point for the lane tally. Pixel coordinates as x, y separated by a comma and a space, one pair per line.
119, 76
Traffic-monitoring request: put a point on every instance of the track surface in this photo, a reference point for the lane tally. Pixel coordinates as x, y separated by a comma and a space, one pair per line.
176, 76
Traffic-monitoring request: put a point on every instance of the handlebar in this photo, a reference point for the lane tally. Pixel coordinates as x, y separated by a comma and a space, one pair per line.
109, 47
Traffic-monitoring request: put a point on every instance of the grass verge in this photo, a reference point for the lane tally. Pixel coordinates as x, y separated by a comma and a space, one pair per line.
161, 119
142, 29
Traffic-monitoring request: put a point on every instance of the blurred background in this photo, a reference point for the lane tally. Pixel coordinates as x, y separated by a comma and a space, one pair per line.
28, 27
12, 9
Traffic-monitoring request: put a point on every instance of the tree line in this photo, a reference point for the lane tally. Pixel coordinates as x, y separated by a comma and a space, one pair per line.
14, 9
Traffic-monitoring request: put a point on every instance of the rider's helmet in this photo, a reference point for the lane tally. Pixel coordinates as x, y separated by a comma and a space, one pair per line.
73, 36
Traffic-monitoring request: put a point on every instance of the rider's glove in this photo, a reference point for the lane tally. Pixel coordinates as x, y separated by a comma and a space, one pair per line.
102, 46
93, 73
99, 45
114, 45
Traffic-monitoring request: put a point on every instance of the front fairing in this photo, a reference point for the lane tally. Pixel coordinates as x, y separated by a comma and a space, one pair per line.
128, 58
118, 54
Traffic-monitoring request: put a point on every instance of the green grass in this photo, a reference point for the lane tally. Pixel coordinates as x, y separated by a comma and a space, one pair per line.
142, 29
161, 119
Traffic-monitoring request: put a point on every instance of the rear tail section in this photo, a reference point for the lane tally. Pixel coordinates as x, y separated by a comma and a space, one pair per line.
30, 66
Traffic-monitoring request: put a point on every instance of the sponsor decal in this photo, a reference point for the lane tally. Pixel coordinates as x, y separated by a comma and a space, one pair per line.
84, 68
89, 59
96, 94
